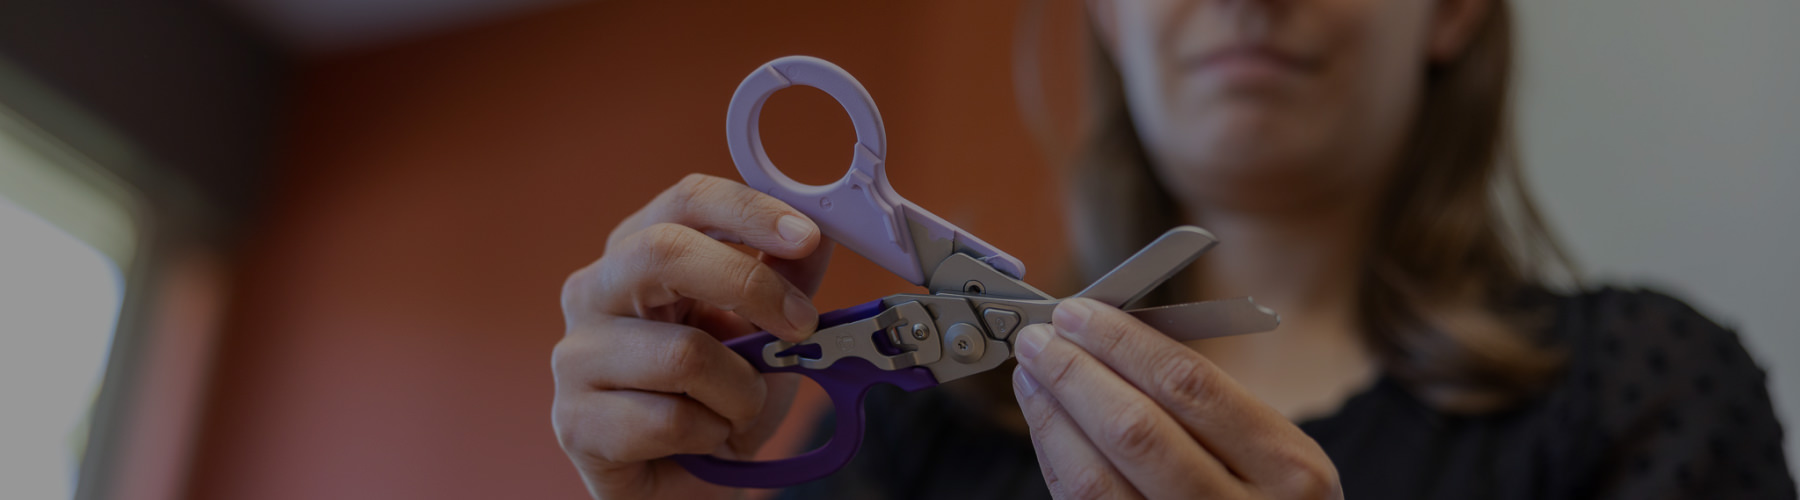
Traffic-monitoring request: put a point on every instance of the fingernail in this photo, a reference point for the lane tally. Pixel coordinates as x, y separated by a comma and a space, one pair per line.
1027, 385
800, 312
1032, 339
1071, 315
793, 229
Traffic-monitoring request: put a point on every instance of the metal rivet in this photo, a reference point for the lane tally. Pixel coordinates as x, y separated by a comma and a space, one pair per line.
974, 287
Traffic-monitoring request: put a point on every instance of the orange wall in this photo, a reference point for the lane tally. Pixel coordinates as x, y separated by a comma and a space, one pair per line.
392, 326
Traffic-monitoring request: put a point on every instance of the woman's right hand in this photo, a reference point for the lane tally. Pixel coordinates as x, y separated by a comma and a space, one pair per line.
641, 373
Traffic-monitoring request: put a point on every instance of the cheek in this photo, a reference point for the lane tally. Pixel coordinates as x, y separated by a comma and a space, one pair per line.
1386, 55
1380, 81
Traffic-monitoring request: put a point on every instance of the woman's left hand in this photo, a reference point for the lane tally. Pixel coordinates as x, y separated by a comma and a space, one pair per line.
1118, 410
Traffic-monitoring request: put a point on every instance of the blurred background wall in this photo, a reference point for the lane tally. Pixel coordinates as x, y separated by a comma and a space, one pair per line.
398, 304
1663, 138
187, 82
411, 194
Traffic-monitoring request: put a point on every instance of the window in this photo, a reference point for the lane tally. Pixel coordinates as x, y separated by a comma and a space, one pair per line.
66, 242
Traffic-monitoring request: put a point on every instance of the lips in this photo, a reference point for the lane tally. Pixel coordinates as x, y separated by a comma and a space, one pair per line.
1250, 60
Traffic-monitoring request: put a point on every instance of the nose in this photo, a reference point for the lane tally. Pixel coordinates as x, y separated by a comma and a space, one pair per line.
1251, 3
1252, 17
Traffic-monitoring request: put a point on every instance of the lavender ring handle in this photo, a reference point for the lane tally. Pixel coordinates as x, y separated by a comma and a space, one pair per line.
860, 210
847, 381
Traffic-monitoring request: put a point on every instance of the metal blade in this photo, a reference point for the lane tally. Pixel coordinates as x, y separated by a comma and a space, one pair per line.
1150, 267
1210, 319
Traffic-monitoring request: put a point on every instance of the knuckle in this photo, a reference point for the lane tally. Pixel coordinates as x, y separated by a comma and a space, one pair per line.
747, 280
1307, 479
573, 284
747, 203
583, 443
562, 357
562, 419
671, 430
1109, 334
1085, 482
757, 280
1041, 421
686, 353
745, 405
1187, 382
706, 196
1132, 433
692, 190
664, 242
1061, 369
645, 441
666, 426
619, 233
578, 293
689, 428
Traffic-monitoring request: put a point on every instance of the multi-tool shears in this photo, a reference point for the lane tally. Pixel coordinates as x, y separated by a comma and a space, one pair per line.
976, 298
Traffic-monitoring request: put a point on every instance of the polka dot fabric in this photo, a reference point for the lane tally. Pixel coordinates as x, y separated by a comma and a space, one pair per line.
1656, 402
1682, 409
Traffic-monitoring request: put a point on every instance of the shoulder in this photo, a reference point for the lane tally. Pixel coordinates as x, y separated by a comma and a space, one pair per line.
1646, 348
1660, 314
1647, 335
1674, 400
1635, 350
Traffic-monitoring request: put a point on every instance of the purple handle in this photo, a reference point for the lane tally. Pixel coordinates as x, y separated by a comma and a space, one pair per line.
847, 381
860, 210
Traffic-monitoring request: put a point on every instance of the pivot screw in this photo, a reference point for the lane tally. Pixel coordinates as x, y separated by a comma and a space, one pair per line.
919, 332
966, 342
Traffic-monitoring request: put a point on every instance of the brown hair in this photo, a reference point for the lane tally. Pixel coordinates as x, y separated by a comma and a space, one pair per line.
1458, 238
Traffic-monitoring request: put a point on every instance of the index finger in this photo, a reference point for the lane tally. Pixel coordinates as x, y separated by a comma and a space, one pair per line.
1247, 435
727, 211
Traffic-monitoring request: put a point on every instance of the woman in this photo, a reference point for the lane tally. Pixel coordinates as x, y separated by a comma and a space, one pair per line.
1348, 152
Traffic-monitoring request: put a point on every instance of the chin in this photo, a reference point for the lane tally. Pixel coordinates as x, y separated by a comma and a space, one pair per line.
1245, 161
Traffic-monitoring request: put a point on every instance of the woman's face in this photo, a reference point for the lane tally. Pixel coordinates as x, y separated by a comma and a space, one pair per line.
1276, 103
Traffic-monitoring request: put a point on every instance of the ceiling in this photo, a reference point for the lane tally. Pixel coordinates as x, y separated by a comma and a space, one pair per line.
324, 26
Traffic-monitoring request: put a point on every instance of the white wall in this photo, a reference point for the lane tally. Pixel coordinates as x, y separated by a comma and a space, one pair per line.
1663, 138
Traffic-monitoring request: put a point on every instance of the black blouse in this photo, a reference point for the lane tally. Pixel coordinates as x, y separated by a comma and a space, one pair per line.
1656, 401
